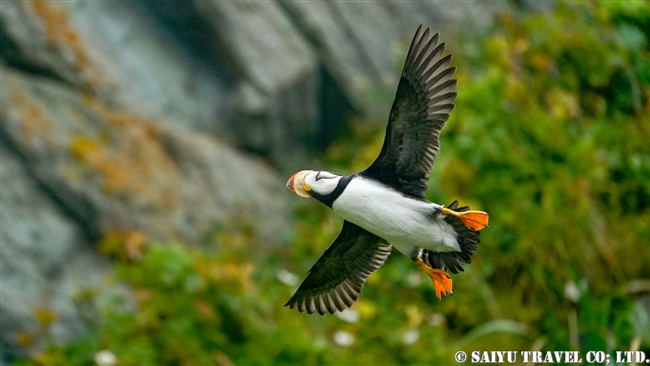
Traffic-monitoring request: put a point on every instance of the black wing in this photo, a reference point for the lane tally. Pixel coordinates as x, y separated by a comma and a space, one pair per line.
421, 108
335, 281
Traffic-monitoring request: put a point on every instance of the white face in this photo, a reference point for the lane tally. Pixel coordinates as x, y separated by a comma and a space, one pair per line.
305, 182
322, 182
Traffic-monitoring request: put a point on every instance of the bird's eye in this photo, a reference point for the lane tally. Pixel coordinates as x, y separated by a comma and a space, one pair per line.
318, 176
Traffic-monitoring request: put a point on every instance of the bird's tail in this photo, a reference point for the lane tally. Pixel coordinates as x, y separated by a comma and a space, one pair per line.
466, 237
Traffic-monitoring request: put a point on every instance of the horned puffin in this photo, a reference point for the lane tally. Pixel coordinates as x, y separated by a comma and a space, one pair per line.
384, 206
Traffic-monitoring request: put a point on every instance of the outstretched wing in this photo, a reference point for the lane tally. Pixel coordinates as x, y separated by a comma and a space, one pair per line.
335, 281
422, 105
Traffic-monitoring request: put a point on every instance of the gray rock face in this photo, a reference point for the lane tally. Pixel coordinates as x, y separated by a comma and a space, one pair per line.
119, 53
126, 115
35, 38
45, 262
275, 103
273, 78
362, 45
85, 170
115, 170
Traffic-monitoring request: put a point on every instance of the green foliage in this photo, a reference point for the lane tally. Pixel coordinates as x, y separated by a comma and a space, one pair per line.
554, 130
550, 136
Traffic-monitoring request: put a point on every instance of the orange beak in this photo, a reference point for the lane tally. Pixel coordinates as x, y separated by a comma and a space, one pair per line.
290, 183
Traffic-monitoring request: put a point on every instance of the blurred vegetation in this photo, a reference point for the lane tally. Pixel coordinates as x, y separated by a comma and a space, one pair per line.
550, 136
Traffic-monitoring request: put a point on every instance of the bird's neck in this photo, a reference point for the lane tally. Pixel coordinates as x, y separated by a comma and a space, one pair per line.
329, 199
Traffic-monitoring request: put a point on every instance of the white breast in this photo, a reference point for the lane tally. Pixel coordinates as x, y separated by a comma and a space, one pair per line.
403, 222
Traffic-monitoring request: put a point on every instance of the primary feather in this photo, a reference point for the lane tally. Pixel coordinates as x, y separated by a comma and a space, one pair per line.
422, 105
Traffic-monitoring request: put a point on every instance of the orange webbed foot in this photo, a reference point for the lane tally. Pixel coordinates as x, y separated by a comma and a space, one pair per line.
442, 284
475, 220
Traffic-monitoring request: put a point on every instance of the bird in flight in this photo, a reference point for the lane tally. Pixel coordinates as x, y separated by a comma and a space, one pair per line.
384, 205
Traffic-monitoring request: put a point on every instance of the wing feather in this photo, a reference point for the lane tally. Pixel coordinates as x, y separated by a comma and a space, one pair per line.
334, 283
422, 105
